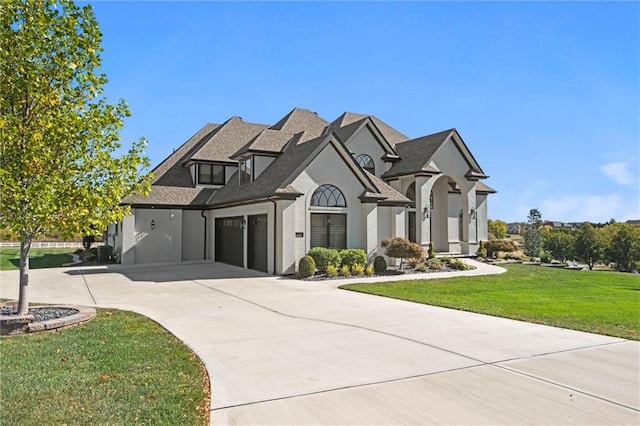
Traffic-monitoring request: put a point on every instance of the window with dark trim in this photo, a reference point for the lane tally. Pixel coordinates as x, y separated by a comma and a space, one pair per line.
366, 163
328, 196
246, 171
329, 230
211, 174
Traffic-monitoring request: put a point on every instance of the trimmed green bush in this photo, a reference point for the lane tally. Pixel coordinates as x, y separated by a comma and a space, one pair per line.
352, 257
325, 256
457, 264
432, 252
306, 267
379, 264
545, 257
494, 246
482, 251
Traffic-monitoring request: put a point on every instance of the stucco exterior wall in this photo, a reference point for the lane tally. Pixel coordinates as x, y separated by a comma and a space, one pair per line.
364, 142
260, 162
192, 235
329, 168
163, 242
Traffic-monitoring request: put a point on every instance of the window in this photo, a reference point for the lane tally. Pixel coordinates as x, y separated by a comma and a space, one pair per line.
328, 196
210, 174
329, 230
366, 163
246, 171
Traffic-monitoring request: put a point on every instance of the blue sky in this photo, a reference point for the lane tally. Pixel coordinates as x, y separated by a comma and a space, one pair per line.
545, 94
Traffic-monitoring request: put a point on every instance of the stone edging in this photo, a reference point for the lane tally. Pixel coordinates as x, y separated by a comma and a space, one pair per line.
85, 313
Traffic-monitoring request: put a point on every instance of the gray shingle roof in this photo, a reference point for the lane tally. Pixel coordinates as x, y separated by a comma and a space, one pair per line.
390, 134
391, 195
299, 120
227, 140
266, 141
173, 196
416, 153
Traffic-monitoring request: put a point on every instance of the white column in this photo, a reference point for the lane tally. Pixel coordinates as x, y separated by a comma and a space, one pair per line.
371, 233
128, 239
424, 184
289, 248
469, 243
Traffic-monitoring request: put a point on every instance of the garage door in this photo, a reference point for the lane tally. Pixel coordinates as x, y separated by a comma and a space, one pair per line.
229, 241
257, 243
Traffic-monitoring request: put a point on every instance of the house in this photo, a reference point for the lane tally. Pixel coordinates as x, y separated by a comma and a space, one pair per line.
260, 196
514, 228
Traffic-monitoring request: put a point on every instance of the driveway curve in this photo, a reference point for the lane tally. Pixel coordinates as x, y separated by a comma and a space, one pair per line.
283, 351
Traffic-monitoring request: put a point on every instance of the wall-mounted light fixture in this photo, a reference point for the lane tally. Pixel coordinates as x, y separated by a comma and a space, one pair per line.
243, 225
473, 213
153, 224
426, 212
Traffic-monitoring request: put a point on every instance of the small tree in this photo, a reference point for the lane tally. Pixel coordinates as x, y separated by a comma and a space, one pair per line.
589, 245
497, 228
402, 248
532, 238
624, 250
57, 133
560, 244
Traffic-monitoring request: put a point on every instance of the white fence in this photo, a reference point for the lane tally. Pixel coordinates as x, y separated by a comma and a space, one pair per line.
52, 244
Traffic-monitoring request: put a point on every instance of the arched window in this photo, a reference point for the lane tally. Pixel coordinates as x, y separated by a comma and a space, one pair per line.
366, 163
411, 192
328, 196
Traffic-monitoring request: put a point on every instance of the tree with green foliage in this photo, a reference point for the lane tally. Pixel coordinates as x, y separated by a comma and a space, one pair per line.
589, 245
532, 236
497, 228
402, 248
59, 137
624, 249
560, 243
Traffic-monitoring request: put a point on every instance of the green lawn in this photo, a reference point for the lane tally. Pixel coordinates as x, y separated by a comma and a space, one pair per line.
593, 301
119, 368
39, 257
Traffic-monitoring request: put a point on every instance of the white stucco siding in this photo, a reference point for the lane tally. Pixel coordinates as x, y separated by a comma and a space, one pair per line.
449, 159
454, 202
330, 168
363, 142
483, 228
161, 242
192, 235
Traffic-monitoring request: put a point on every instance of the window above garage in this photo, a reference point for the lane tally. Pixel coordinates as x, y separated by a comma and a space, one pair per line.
210, 174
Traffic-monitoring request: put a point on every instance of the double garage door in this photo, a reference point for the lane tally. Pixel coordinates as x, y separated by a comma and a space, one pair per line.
229, 241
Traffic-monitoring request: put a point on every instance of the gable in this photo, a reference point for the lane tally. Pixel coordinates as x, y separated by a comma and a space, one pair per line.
452, 160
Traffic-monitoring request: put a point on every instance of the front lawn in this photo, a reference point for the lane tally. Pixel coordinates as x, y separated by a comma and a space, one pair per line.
119, 368
38, 258
594, 301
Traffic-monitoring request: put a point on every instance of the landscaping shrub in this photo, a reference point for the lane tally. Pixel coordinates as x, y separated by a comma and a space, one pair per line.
402, 248
370, 270
494, 246
482, 251
545, 257
358, 270
325, 256
379, 264
413, 262
434, 264
432, 252
332, 271
421, 267
345, 271
457, 265
351, 257
306, 267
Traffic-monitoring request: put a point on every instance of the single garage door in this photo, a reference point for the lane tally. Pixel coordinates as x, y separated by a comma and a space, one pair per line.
257, 243
229, 241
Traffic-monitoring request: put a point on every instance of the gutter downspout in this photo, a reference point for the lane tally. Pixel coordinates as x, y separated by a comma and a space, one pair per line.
275, 234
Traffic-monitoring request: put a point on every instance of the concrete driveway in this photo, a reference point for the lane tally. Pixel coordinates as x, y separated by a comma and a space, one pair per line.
282, 351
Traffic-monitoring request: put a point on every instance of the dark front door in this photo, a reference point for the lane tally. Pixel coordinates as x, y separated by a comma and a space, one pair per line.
257, 243
230, 240
412, 227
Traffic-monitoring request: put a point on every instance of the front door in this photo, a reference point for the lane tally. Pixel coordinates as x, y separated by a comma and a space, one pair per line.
257, 243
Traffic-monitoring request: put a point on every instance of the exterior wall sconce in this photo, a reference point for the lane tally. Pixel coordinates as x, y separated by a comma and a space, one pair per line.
473, 213
243, 225
153, 224
426, 212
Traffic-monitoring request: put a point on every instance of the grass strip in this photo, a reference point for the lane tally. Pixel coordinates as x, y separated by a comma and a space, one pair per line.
593, 301
119, 368
38, 258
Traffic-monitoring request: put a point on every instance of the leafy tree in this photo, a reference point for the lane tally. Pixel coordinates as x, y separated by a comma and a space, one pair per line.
497, 228
589, 245
59, 136
624, 249
532, 236
402, 248
560, 244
